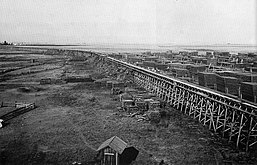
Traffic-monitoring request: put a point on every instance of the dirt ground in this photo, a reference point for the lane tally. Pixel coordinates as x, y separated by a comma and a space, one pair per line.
73, 119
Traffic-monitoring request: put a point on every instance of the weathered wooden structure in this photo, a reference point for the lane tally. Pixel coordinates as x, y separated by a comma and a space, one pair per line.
233, 119
114, 151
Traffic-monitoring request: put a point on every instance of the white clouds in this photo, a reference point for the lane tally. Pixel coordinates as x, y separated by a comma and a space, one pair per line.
139, 21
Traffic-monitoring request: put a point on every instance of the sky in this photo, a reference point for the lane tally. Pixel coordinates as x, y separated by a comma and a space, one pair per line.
129, 21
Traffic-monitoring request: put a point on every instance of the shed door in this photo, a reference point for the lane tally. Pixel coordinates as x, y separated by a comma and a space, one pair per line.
109, 157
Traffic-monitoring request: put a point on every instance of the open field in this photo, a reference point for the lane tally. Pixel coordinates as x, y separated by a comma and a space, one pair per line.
73, 119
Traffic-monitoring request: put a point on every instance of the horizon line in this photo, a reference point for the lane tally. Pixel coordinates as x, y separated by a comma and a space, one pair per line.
157, 44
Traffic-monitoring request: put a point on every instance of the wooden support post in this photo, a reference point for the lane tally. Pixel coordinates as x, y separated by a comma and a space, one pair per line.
117, 158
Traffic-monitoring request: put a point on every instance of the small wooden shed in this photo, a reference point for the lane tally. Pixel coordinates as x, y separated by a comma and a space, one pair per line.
114, 151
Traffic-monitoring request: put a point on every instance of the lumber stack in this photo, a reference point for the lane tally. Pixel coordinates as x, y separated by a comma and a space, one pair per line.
117, 84
154, 105
175, 65
127, 103
207, 79
227, 73
170, 74
194, 69
242, 65
249, 91
102, 82
161, 66
109, 84
142, 96
134, 59
228, 85
232, 85
212, 61
148, 64
251, 69
125, 96
246, 77
188, 79
241, 76
220, 82
142, 105
51, 81
151, 58
179, 72
78, 79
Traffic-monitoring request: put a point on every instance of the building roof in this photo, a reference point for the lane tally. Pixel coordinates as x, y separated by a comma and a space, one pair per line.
115, 143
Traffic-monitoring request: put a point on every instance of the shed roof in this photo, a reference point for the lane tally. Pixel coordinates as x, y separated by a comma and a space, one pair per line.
115, 143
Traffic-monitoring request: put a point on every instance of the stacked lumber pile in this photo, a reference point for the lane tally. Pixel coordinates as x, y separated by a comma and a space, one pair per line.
212, 61
115, 84
109, 83
175, 65
246, 77
242, 65
161, 66
161, 104
180, 72
241, 76
170, 74
207, 79
188, 79
228, 85
134, 59
45, 81
251, 69
78, 79
142, 96
142, 105
102, 82
196, 68
52, 81
117, 91
153, 105
220, 82
126, 96
249, 91
232, 85
140, 64
127, 103
130, 90
227, 73
151, 58
197, 59
148, 64
147, 101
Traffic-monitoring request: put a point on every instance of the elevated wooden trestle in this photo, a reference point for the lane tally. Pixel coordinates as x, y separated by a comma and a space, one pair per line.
231, 118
